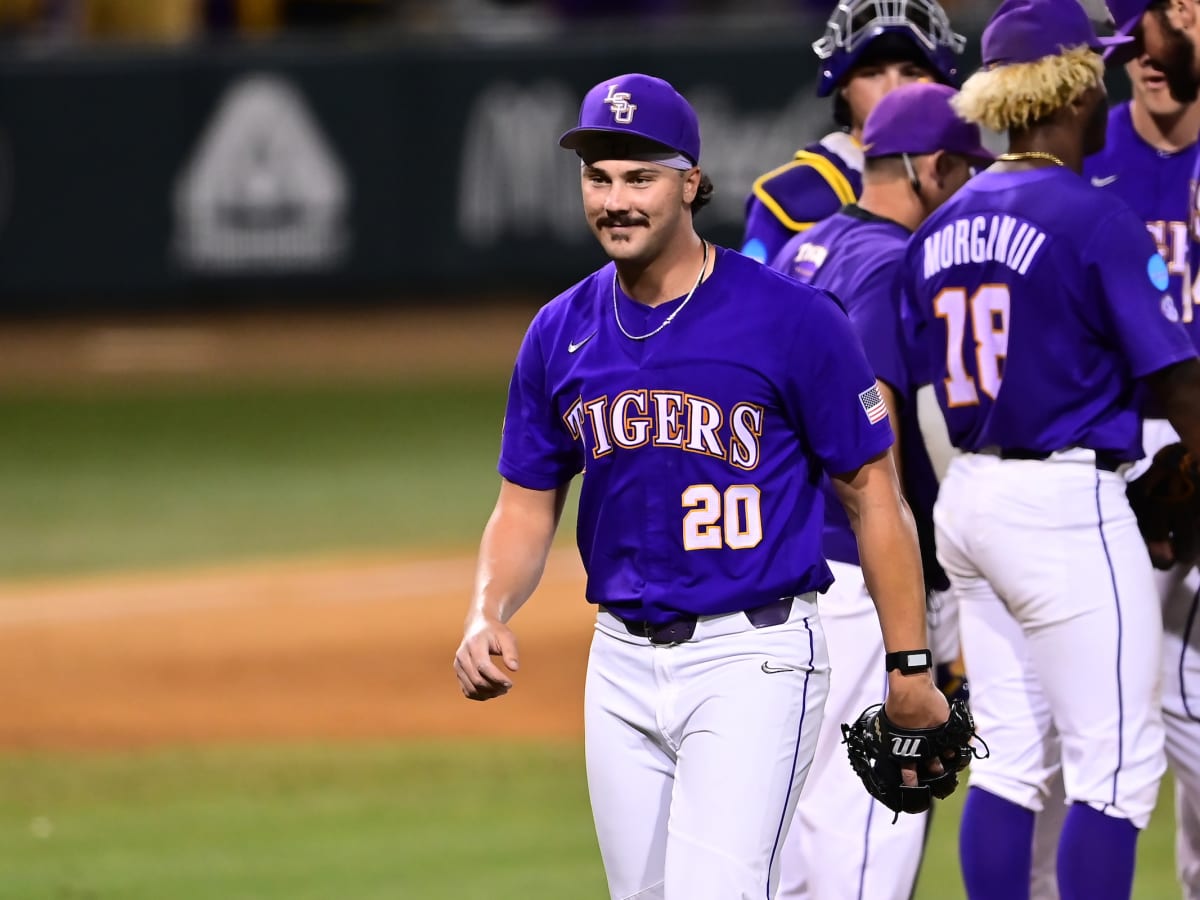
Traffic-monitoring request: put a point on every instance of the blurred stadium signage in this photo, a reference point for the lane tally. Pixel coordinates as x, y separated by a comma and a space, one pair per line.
513, 184
385, 170
264, 190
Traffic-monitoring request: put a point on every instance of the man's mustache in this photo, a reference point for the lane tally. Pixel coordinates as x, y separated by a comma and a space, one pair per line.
621, 222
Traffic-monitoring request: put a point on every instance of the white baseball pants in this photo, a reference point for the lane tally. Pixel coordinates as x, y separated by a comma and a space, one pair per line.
696, 752
843, 845
1060, 629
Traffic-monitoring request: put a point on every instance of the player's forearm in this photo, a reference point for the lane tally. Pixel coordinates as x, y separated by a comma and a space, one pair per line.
889, 554
1178, 390
513, 551
891, 564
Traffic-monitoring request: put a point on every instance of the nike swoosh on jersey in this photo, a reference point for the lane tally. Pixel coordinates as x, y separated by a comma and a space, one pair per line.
773, 670
575, 345
1105, 181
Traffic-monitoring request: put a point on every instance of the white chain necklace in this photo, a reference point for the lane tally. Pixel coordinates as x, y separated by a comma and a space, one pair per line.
669, 319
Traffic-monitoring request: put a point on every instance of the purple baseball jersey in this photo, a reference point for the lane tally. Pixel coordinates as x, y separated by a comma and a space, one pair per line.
857, 257
1193, 213
1155, 185
703, 445
1038, 281
820, 180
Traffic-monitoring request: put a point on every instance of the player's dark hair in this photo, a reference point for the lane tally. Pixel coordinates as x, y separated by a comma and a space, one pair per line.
885, 165
703, 193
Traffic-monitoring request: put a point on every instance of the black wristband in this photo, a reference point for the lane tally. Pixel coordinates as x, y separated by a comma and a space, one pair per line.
909, 662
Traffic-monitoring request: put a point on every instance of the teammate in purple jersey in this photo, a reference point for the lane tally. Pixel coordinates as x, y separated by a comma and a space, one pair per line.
870, 47
1037, 302
1148, 162
705, 414
918, 152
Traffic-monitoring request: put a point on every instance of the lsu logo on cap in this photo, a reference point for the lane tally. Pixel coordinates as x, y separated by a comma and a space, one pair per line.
618, 102
1156, 268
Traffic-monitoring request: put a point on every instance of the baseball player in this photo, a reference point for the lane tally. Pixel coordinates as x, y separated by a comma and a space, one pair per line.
1037, 305
918, 152
705, 396
1148, 161
870, 47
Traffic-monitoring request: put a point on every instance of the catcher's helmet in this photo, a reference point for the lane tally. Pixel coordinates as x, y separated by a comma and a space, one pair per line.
855, 24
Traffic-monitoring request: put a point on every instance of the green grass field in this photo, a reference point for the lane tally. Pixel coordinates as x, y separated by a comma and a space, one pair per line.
436, 822
427, 822
104, 479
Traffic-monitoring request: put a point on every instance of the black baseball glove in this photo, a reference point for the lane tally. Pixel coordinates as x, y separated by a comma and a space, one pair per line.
878, 747
1166, 501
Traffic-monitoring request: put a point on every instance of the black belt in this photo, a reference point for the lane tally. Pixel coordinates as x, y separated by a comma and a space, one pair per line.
681, 629
1105, 462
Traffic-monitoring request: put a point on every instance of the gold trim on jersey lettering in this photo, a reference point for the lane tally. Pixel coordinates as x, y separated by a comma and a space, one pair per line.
601, 402
735, 441
755, 534
675, 439
702, 527
979, 385
948, 381
620, 407
1170, 235
576, 432
838, 183
695, 428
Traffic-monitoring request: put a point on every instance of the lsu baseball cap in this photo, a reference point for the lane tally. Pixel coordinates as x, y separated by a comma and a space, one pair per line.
641, 108
1024, 31
918, 118
1126, 16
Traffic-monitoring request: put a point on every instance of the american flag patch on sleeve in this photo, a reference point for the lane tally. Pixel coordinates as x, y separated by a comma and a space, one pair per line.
873, 405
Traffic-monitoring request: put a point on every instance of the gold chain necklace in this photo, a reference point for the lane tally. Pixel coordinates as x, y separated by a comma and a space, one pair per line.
1031, 154
669, 319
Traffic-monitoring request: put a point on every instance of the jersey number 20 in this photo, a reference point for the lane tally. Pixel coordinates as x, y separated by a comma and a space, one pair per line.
988, 308
732, 519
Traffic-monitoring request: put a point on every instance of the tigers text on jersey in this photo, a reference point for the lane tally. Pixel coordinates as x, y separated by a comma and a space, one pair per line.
1033, 301
703, 445
818, 181
857, 256
1154, 184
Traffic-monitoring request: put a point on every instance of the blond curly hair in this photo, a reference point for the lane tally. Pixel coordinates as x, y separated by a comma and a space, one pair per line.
1015, 96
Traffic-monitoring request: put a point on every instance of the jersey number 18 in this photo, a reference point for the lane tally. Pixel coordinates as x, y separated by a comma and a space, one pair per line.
988, 308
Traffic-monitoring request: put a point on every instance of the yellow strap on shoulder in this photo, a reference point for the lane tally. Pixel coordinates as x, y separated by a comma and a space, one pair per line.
837, 182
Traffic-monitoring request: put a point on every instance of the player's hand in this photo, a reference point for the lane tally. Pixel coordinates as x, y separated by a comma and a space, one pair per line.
478, 675
1162, 554
914, 701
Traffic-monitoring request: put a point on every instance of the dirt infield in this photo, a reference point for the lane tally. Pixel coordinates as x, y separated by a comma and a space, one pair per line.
351, 344
309, 649
328, 649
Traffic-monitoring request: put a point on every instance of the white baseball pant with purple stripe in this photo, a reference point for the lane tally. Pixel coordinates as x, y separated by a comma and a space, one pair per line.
1060, 628
696, 752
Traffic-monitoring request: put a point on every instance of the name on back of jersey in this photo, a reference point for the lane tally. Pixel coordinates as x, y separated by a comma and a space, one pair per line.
1007, 240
